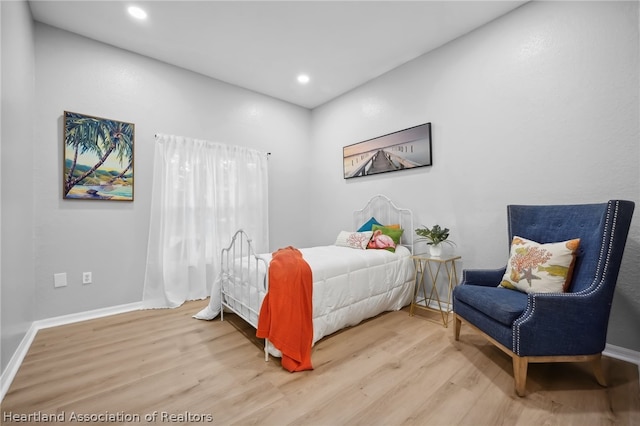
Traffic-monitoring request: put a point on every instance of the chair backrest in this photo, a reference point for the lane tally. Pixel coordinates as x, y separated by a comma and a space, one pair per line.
602, 229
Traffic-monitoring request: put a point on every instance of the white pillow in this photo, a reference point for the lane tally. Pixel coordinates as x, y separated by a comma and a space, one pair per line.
356, 240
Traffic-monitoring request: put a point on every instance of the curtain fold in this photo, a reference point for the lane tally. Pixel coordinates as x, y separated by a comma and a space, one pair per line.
202, 193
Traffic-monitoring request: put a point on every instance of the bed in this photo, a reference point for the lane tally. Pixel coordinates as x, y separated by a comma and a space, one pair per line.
349, 284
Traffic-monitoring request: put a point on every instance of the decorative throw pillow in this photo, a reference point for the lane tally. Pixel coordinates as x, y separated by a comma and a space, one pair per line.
357, 240
540, 268
385, 238
368, 225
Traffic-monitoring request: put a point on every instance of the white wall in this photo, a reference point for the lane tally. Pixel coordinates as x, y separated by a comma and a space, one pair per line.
550, 90
110, 238
16, 261
540, 106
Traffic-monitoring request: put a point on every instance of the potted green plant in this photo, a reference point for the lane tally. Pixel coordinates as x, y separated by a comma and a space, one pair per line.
435, 237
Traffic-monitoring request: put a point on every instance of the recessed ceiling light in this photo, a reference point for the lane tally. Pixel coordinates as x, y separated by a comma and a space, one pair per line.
137, 13
303, 79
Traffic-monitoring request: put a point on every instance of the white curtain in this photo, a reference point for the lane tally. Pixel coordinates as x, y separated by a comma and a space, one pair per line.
202, 193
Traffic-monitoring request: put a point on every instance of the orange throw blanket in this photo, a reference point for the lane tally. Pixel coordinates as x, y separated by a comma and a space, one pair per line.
286, 311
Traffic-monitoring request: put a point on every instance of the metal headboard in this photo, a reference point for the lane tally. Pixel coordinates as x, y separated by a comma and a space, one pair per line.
387, 213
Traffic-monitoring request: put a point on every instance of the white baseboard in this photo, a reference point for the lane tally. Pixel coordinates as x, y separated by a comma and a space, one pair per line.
18, 356
88, 315
621, 353
16, 360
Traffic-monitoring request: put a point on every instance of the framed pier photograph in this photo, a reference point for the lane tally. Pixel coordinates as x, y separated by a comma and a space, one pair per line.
405, 149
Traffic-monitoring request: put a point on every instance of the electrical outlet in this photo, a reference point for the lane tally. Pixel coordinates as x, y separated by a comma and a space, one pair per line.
60, 280
86, 278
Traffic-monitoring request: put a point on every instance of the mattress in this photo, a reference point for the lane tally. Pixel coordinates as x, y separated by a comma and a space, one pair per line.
349, 285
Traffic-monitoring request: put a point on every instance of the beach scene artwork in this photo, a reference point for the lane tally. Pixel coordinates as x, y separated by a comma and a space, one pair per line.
402, 150
98, 158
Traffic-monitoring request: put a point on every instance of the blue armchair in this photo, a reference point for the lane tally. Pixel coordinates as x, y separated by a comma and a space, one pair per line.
551, 327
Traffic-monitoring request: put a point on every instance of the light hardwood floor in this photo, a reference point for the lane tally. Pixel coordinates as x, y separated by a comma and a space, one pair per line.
390, 370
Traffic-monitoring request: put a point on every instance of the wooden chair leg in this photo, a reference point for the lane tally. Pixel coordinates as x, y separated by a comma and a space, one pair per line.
596, 364
520, 364
457, 323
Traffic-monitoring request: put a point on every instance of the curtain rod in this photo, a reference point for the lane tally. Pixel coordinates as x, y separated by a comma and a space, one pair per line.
268, 154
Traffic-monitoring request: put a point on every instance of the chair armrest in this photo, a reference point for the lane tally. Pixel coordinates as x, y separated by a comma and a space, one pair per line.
484, 277
573, 324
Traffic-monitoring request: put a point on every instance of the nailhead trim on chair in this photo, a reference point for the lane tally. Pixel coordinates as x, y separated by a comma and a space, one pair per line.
600, 272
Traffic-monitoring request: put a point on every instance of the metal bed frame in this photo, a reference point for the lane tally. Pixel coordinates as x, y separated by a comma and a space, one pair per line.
241, 251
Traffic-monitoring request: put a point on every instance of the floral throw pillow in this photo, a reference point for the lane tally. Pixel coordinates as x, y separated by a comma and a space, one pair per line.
540, 268
357, 240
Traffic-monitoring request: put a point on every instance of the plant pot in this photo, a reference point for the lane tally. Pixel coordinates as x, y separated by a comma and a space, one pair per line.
435, 250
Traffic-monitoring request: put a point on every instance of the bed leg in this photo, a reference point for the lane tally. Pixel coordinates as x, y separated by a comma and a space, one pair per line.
266, 350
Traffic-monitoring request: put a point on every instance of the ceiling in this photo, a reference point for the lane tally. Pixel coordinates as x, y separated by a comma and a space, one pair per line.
264, 45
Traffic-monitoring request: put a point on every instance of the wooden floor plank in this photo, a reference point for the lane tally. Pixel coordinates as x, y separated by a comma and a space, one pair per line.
393, 369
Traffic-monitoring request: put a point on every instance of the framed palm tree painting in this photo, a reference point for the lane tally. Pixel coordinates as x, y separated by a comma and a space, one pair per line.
98, 158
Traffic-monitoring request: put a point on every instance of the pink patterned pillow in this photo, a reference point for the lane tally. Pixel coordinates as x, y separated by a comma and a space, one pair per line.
385, 238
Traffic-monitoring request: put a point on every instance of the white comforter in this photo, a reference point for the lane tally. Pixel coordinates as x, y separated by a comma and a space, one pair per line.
349, 285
